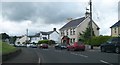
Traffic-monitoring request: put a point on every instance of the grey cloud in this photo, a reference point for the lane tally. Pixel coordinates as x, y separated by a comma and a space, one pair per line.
54, 12
119, 10
16, 11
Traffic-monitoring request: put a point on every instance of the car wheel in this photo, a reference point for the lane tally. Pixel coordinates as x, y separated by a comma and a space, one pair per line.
83, 49
117, 50
73, 49
55, 47
102, 49
67, 49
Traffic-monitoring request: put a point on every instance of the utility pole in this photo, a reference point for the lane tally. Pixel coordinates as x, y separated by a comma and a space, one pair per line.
27, 35
91, 22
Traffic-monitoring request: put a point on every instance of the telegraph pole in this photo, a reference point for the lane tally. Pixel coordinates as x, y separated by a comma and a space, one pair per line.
91, 32
27, 35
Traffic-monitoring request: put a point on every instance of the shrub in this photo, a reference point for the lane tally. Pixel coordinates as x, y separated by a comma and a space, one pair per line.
46, 41
96, 41
43, 41
52, 42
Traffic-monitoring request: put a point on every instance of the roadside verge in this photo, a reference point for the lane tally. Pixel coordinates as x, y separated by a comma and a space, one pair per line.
11, 54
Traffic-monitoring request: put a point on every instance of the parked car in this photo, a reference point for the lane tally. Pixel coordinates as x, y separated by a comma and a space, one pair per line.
60, 46
20, 45
76, 46
112, 45
43, 45
28, 45
33, 46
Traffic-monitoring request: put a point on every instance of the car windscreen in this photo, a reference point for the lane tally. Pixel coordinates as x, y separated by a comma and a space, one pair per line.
114, 40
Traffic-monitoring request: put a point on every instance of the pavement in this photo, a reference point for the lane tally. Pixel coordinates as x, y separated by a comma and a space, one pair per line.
94, 48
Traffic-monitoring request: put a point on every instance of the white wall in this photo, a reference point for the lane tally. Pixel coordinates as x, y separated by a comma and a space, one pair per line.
80, 28
113, 34
35, 39
55, 36
84, 25
21, 40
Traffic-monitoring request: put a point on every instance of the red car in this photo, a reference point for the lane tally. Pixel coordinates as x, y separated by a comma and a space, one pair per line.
76, 46
43, 46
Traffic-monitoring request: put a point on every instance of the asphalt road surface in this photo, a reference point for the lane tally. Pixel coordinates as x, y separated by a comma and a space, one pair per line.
51, 55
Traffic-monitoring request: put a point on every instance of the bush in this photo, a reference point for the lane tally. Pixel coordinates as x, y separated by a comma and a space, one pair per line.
43, 41
96, 41
52, 42
46, 41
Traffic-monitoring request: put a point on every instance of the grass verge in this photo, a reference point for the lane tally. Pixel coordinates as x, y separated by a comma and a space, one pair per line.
6, 48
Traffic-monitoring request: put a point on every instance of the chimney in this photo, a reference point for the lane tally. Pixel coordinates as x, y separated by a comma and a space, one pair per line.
54, 29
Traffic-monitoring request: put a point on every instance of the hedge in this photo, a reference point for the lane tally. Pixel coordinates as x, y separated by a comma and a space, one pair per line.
96, 41
46, 41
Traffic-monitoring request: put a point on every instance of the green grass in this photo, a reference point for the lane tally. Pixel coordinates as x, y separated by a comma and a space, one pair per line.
0, 47
6, 48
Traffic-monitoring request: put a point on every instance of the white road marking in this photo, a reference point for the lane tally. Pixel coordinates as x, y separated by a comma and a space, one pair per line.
105, 62
83, 55
79, 54
39, 61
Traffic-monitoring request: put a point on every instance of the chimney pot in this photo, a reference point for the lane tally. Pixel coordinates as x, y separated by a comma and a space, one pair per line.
54, 29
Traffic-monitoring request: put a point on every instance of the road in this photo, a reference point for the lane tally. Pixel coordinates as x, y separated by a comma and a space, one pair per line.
51, 55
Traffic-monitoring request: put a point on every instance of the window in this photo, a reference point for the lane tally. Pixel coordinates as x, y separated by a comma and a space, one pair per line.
70, 40
73, 39
115, 30
63, 33
73, 31
67, 32
70, 31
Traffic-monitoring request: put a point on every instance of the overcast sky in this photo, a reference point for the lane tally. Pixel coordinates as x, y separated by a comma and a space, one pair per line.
44, 15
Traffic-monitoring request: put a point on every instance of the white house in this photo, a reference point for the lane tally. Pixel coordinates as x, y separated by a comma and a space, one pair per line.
50, 35
70, 32
21, 40
115, 29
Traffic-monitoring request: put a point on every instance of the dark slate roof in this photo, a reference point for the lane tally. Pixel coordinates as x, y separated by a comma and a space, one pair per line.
73, 23
37, 35
116, 24
44, 33
47, 33
50, 32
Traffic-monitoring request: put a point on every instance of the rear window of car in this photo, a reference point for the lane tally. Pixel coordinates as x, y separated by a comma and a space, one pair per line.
115, 39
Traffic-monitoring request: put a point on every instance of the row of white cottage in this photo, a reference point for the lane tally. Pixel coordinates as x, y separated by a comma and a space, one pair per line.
69, 33
51, 35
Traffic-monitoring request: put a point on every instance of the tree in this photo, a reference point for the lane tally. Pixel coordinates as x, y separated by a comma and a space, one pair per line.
4, 36
13, 39
86, 35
